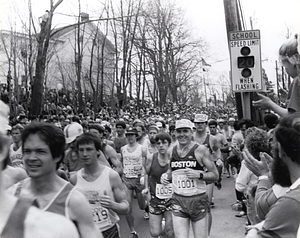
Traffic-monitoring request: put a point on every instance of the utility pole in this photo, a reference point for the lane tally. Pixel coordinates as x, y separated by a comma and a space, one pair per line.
243, 100
233, 24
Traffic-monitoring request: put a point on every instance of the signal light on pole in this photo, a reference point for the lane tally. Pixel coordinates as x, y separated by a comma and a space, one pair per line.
245, 62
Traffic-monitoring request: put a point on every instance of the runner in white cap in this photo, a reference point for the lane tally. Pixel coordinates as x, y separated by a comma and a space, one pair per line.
191, 168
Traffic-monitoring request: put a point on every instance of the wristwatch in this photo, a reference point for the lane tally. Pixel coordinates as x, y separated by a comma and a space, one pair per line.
201, 176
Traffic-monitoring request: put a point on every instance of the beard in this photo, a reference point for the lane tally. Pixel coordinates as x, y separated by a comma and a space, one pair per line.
280, 172
152, 140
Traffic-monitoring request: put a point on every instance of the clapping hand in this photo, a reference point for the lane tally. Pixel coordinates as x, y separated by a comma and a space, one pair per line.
258, 167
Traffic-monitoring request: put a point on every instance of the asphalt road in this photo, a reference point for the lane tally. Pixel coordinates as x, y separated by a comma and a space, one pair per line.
225, 224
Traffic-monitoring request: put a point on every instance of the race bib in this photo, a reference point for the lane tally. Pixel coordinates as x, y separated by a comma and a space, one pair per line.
132, 168
101, 217
100, 214
183, 185
163, 191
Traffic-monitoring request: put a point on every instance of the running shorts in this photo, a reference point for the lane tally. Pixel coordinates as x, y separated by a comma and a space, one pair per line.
193, 207
133, 184
158, 206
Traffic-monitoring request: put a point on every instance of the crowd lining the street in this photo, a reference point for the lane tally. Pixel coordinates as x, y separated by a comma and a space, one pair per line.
82, 172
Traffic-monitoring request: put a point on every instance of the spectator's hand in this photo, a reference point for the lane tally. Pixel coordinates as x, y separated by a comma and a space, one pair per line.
257, 167
267, 158
263, 103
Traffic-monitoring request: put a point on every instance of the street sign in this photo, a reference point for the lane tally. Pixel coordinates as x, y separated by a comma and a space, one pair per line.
245, 55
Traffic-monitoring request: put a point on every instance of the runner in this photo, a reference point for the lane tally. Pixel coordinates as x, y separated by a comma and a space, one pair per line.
15, 149
191, 169
108, 151
43, 149
202, 136
120, 138
160, 201
101, 185
18, 218
133, 158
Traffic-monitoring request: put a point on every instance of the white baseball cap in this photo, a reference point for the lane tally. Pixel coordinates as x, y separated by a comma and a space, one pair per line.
72, 131
201, 118
183, 123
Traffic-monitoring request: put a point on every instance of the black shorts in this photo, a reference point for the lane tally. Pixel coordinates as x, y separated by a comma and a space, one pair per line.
113, 232
193, 207
158, 206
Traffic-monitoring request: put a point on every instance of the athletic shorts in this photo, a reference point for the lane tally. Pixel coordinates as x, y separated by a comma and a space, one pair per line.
193, 207
158, 206
113, 232
133, 184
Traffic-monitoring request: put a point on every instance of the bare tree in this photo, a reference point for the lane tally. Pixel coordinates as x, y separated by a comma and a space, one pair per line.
43, 43
173, 56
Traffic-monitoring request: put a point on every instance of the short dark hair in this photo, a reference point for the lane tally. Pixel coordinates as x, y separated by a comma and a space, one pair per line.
50, 134
246, 122
121, 123
107, 127
163, 136
88, 138
212, 122
271, 120
97, 127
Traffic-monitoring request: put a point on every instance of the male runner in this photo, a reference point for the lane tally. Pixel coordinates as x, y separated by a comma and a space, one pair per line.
43, 150
202, 137
133, 156
101, 185
108, 151
15, 149
160, 195
120, 138
191, 168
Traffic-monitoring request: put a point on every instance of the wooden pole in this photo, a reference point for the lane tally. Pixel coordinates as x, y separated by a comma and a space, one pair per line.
233, 24
243, 100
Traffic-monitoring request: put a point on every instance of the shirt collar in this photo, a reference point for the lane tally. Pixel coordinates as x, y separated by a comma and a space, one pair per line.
294, 185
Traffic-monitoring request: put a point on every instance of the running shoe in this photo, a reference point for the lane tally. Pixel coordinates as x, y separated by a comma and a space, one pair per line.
146, 216
134, 235
219, 185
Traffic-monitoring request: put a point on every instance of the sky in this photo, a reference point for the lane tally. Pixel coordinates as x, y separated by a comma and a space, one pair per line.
205, 18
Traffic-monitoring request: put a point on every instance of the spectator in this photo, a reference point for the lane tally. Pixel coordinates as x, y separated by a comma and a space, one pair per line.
290, 59
284, 216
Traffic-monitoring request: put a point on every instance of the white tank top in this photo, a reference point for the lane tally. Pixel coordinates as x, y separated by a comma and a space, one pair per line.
103, 218
16, 157
132, 162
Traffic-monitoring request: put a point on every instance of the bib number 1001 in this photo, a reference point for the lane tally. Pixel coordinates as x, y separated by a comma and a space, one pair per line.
186, 183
